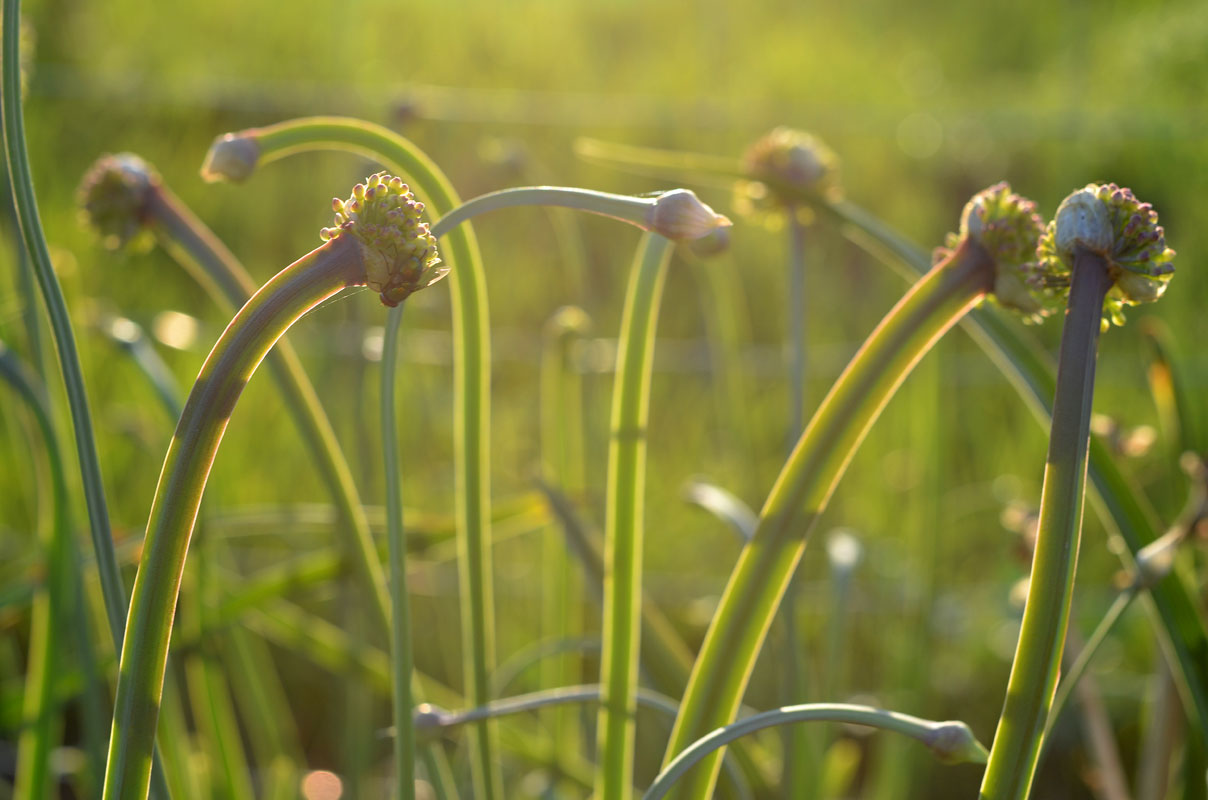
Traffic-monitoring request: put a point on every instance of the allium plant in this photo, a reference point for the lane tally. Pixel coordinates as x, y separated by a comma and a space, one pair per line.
1103, 250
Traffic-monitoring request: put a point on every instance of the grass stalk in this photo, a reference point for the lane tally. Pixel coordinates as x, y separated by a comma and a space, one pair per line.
1033, 681
951, 742
623, 524
1071, 676
804, 487
47, 612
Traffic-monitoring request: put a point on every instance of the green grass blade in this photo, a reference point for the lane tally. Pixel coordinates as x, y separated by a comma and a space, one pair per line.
48, 613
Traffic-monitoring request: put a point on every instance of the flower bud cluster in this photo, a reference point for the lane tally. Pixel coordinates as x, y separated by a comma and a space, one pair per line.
780, 167
398, 249
112, 199
1008, 228
1110, 221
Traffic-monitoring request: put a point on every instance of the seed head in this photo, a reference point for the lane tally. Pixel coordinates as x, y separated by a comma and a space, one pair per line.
1007, 226
1110, 221
782, 166
112, 199
398, 249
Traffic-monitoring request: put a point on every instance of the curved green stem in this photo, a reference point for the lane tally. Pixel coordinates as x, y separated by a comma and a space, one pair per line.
47, 610
952, 742
621, 207
623, 523
471, 403
804, 487
267, 713
396, 539
284, 299
433, 720
212, 265
1033, 680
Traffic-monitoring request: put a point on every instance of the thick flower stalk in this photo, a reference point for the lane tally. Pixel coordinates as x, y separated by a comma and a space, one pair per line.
1104, 250
344, 260
123, 199
959, 281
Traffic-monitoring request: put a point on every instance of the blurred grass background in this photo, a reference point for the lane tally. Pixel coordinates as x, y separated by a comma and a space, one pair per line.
925, 102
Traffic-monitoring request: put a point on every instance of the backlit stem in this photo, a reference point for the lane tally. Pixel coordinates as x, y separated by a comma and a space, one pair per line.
1034, 674
804, 488
271, 311
623, 523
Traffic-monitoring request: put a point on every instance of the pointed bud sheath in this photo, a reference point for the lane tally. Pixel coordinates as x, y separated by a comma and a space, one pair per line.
232, 157
1008, 228
679, 214
112, 198
398, 250
711, 245
1110, 221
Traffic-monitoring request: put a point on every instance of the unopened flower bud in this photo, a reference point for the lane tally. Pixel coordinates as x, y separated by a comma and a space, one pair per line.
680, 214
429, 719
1156, 559
1082, 221
232, 157
398, 250
953, 742
712, 244
112, 199
1112, 222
